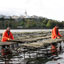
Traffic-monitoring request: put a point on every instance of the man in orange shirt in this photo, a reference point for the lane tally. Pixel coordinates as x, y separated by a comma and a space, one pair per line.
55, 33
7, 35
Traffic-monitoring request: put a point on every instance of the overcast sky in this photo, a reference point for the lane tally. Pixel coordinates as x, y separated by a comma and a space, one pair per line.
53, 9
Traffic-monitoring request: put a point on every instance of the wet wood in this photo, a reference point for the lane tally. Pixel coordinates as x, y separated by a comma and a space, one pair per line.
41, 44
10, 42
35, 39
30, 39
7, 43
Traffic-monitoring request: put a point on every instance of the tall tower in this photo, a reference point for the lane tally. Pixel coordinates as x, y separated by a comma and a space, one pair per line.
26, 13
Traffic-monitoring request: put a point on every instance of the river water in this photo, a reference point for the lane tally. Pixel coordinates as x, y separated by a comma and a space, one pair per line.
28, 30
31, 30
25, 30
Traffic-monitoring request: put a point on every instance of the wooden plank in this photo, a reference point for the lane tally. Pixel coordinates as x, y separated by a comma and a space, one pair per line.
30, 39
41, 44
35, 44
6, 43
35, 39
17, 41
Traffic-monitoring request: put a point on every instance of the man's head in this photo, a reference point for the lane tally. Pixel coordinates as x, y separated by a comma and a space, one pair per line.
8, 29
57, 26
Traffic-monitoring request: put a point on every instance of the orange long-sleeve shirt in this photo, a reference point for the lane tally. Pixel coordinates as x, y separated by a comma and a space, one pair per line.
5, 36
55, 33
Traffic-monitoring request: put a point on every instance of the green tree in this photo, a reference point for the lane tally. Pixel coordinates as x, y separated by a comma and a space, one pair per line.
49, 24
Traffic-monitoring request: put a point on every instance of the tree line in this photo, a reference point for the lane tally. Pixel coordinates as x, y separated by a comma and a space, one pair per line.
30, 23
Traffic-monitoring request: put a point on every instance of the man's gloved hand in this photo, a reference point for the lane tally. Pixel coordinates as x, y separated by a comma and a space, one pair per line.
58, 37
8, 38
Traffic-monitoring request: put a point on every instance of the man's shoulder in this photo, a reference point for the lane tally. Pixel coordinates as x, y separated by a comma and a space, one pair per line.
54, 28
10, 32
4, 32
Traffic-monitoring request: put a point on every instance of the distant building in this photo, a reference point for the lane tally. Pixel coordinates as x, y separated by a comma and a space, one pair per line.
22, 16
26, 15
14, 17
7, 17
34, 16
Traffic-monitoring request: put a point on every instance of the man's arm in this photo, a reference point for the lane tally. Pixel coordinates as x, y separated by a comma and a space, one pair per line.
55, 32
4, 37
12, 37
